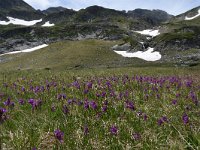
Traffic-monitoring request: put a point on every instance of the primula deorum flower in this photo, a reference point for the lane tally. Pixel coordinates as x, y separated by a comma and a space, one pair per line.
136, 136
21, 102
59, 135
3, 116
162, 120
185, 118
35, 103
8, 102
93, 105
113, 130
86, 130
65, 109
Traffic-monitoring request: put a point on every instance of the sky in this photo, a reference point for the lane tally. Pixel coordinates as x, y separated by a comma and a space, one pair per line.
174, 7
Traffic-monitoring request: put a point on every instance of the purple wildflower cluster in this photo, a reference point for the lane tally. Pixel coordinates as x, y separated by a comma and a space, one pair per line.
162, 120
35, 103
59, 135
116, 103
3, 115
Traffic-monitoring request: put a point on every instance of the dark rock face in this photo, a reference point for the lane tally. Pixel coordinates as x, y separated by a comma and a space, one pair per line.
25, 35
7, 5
3, 18
179, 39
149, 18
179, 45
52, 10
95, 13
60, 16
18, 9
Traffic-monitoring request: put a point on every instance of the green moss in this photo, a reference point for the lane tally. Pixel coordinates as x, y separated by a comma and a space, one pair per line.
174, 36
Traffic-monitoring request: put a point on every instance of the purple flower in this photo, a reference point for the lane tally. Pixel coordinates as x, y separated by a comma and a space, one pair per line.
105, 102
104, 108
23, 89
9, 103
174, 102
103, 94
3, 116
85, 91
35, 103
89, 85
178, 95
80, 103
53, 108
2, 111
136, 136
21, 102
61, 96
65, 109
59, 135
160, 122
145, 117
164, 118
70, 101
185, 118
86, 130
93, 105
113, 130
31, 101
130, 105
189, 84
86, 104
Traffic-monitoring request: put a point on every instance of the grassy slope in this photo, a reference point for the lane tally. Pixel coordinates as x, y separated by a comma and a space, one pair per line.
71, 54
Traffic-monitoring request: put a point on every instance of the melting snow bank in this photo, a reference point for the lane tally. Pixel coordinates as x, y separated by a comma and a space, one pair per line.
27, 50
47, 24
148, 55
19, 22
190, 18
149, 32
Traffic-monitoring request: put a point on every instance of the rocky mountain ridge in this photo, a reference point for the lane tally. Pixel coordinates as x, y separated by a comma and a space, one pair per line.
177, 38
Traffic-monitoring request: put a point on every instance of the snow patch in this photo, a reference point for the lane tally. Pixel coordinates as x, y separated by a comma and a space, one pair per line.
148, 55
16, 21
191, 18
149, 32
26, 50
48, 24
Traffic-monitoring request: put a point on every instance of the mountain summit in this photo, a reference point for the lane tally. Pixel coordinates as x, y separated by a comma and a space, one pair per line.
18, 9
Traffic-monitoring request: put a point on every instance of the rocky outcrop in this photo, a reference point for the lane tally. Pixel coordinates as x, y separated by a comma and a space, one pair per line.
18, 9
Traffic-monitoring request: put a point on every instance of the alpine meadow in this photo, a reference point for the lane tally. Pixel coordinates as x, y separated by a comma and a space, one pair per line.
98, 78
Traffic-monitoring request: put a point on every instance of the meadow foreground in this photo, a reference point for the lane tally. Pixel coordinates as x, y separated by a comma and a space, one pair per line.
109, 109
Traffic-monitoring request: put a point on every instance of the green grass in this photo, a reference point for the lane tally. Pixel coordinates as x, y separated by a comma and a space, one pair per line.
72, 55
65, 63
27, 128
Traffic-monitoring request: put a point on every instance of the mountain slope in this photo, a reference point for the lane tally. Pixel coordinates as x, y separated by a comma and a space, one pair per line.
52, 10
59, 16
18, 9
69, 55
149, 18
7, 5
179, 41
188, 14
95, 13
